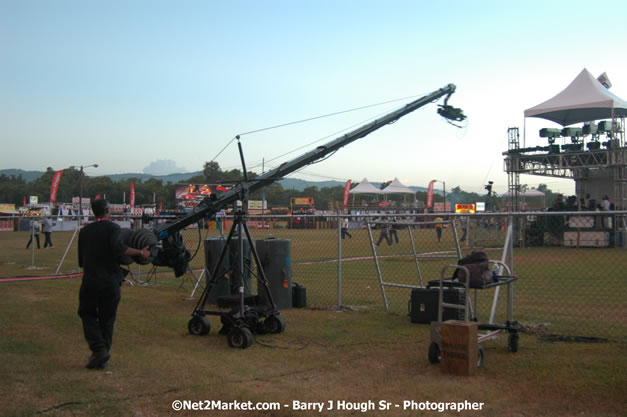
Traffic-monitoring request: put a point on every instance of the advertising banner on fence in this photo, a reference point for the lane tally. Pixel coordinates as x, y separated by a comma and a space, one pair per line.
56, 179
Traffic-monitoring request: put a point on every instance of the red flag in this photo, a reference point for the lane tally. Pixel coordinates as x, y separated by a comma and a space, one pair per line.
347, 188
430, 194
56, 179
132, 197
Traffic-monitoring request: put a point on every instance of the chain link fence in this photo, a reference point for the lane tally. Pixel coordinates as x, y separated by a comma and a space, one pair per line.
570, 265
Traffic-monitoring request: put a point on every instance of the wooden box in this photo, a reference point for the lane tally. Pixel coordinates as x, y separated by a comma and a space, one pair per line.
458, 347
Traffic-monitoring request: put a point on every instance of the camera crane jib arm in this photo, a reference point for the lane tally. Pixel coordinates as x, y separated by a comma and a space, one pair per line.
208, 207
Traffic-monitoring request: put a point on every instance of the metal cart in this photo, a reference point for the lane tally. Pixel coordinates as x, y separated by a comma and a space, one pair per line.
493, 330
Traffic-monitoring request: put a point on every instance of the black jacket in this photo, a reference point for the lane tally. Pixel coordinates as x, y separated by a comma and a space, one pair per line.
99, 248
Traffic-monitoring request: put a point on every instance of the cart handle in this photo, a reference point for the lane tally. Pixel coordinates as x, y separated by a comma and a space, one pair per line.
502, 265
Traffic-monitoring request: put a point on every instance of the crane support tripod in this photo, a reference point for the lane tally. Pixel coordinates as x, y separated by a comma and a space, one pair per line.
247, 317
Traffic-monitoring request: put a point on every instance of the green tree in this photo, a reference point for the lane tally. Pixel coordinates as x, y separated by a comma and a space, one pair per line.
212, 172
13, 189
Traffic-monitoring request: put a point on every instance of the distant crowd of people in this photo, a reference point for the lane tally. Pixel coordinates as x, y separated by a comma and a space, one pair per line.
583, 204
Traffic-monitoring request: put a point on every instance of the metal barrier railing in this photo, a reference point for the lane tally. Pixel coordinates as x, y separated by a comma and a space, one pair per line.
570, 264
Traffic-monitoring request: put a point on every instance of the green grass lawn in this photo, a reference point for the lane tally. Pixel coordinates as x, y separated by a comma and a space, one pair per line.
359, 353
575, 292
323, 355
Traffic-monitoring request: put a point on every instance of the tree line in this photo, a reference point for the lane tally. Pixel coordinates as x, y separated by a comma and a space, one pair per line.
14, 189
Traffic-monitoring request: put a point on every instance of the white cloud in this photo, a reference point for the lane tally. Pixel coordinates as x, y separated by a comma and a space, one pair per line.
163, 167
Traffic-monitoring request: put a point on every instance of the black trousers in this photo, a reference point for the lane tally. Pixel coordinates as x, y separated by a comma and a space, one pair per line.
97, 308
31, 241
384, 235
48, 241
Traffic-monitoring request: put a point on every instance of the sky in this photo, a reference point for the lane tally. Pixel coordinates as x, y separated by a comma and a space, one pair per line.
165, 86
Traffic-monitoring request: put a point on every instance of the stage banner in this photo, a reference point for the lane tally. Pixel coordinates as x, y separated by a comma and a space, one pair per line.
132, 197
347, 188
430, 194
56, 179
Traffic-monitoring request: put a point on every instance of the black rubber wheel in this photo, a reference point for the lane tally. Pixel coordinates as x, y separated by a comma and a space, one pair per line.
479, 356
274, 324
512, 342
240, 337
199, 326
434, 353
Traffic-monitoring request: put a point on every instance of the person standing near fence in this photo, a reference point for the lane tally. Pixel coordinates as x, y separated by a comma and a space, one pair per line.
606, 206
465, 225
35, 227
99, 247
438, 227
345, 228
47, 229
385, 229
392, 231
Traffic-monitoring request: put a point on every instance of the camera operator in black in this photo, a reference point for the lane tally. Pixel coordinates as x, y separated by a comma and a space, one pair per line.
99, 248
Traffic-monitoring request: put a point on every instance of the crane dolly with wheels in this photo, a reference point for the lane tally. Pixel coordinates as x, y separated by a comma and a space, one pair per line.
244, 320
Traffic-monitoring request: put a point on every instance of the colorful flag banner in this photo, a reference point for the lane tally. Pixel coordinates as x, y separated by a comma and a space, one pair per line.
56, 179
347, 188
132, 197
430, 194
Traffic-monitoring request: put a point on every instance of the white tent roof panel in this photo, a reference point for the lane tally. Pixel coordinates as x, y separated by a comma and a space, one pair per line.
396, 187
584, 100
364, 187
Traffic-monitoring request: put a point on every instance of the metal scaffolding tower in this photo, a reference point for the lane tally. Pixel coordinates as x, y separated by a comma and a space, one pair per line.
513, 174
597, 166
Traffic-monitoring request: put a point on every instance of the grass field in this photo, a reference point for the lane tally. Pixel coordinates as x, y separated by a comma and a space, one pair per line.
355, 354
573, 292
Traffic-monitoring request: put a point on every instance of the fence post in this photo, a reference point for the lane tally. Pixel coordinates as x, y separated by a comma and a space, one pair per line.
512, 220
339, 260
32, 242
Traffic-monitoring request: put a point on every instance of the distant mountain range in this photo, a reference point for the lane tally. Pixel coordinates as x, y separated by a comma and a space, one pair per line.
287, 183
30, 176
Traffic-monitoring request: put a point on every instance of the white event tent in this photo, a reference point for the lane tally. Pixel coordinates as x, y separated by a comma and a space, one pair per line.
584, 100
396, 187
364, 187
529, 196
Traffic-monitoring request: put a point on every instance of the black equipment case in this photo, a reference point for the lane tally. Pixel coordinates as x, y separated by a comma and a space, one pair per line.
423, 304
299, 296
